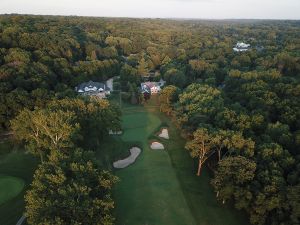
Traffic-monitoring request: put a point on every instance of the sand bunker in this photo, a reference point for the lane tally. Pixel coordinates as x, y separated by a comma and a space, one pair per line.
164, 133
157, 146
134, 153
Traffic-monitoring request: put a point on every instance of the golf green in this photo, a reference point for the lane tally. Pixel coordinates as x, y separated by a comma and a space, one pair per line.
10, 187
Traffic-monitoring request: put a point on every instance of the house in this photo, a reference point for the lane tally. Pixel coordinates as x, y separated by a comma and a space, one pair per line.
93, 89
241, 47
152, 87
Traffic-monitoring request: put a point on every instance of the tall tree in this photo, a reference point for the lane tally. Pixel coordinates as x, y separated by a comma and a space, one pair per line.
167, 97
143, 67
70, 189
200, 147
43, 130
232, 180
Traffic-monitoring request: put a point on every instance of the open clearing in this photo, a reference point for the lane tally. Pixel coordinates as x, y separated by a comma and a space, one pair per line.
161, 187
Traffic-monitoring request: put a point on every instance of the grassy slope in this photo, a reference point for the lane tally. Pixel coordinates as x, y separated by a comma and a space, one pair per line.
16, 164
161, 187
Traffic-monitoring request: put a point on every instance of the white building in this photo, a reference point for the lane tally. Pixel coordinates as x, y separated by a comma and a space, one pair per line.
241, 47
152, 87
93, 89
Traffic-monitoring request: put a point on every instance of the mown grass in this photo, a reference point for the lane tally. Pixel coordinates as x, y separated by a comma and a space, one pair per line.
161, 186
149, 192
15, 163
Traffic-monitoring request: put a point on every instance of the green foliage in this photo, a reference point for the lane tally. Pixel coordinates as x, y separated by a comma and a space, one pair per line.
167, 97
70, 190
200, 147
199, 103
64, 123
233, 179
44, 130
175, 77
16, 56
143, 68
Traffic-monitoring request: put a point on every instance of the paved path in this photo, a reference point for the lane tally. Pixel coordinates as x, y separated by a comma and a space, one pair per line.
21, 220
109, 84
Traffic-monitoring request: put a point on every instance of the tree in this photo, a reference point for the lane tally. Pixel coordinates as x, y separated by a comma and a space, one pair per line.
270, 201
232, 180
167, 97
133, 94
199, 103
293, 195
233, 142
175, 77
95, 116
17, 56
200, 147
143, 67
128, 74
43, 130
70, 189
280, 133
198, 67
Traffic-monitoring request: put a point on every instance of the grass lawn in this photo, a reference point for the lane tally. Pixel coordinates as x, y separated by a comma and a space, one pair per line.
19, 165
161, 187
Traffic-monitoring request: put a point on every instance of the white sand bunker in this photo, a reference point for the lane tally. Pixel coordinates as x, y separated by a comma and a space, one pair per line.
157, 146
164, 133
134, 153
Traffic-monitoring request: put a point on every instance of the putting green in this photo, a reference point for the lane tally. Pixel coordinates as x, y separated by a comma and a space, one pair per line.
10, 187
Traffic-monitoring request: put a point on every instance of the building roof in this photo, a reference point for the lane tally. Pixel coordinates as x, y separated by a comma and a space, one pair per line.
91, 84
147, 86
241, 47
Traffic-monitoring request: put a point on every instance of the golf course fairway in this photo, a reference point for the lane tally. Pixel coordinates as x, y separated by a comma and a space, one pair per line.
160, 187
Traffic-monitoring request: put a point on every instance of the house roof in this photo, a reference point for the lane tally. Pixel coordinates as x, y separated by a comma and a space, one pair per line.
92, 84
146, 86
241, 47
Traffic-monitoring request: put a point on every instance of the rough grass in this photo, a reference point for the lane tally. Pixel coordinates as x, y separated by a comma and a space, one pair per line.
161, 186
15, 163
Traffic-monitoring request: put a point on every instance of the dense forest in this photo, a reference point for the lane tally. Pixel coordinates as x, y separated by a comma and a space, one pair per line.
239, 111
